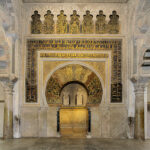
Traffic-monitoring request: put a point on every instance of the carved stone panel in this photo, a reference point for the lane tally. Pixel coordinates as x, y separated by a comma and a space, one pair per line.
100, 24
61, 23
87, 25
36, 24
113, 24
75, 26
74, 23
48, 26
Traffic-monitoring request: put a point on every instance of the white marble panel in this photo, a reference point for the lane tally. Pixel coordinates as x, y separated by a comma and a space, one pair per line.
52, 122
1, 118
118, 122
42, 122
148, 124
95, 122
29, 122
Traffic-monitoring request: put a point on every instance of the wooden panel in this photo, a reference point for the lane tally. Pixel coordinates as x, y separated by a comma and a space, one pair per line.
73, 122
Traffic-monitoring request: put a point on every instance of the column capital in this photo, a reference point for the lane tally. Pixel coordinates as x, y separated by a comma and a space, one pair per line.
8, 83
140, 83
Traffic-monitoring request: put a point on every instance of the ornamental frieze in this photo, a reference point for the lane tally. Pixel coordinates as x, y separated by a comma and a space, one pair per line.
75, 25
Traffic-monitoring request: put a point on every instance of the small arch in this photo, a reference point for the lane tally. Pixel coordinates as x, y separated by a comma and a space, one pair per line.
74, 94
72, 82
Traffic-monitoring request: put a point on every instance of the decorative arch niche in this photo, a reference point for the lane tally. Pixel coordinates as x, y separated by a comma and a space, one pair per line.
73, 73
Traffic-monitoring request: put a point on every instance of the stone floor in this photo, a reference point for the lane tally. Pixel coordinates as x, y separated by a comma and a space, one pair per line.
73, 144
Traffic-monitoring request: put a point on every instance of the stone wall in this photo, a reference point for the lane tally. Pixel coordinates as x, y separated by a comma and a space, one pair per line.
106, 122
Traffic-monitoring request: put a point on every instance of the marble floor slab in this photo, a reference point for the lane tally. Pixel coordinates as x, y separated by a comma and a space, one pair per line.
73, 144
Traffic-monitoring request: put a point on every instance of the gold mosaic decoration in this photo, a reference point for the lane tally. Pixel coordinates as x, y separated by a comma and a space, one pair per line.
48, 26
75, 26
78, 73
114, 45
73, 55
61, 23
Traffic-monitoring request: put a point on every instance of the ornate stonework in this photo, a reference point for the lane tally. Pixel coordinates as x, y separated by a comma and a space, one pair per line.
76, 73
61, 23
48, 26
73, 44
36, 24
113, 24
100, 24
87, 25
75, 26
74, 23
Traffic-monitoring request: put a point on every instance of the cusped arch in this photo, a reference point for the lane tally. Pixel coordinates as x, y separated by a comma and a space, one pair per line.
73, 73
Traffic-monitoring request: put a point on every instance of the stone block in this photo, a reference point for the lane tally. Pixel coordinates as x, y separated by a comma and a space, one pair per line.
43, 122
95, 122
29, 122
52, 122
118, 122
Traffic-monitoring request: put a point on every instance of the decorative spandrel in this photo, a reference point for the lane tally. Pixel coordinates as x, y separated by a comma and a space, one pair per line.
74, 23
36, 24
61, 23
48, 26
87, 26
53, 91
100, 24
113, 24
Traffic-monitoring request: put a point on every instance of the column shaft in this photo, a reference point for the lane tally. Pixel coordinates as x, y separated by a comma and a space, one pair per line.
8, 112
139, 112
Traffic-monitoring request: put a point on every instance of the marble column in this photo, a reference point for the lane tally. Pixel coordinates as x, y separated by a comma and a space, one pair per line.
139, 110
8, 110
